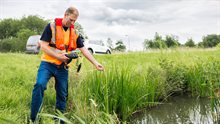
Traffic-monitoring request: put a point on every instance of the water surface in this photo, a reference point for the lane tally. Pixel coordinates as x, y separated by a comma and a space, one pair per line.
179, 110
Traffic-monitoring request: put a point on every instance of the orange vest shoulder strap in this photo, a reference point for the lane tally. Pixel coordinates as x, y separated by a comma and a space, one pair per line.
58, 21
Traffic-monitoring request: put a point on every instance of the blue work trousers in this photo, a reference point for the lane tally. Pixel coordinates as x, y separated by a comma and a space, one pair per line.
45, 72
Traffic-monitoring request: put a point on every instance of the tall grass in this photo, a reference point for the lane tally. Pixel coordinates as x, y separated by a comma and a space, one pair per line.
130, 82
123, 90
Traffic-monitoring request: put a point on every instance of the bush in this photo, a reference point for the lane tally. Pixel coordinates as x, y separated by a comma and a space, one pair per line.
12, 45
16, 44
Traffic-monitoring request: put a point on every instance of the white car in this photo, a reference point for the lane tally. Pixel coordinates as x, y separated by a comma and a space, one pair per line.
97, 46
33, 44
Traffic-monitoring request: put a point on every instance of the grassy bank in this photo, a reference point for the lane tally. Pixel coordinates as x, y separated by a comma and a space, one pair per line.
129, 83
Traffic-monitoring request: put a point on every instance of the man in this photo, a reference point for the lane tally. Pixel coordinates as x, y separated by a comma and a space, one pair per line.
58, 38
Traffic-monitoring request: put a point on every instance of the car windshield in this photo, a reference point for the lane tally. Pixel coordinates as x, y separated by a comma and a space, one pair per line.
33, 39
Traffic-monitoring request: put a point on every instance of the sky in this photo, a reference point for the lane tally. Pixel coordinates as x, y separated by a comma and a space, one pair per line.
132, 21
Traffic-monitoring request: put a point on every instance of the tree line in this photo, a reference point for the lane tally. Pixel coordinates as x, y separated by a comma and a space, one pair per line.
15, 32
171, 41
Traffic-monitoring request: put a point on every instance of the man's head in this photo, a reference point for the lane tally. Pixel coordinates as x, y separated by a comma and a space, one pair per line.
70, 16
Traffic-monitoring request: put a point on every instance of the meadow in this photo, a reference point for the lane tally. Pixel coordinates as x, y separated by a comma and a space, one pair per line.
130, 83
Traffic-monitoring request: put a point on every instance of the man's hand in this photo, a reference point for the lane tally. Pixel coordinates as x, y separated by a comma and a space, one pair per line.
86, 53
45, 47
99, 67
62, 57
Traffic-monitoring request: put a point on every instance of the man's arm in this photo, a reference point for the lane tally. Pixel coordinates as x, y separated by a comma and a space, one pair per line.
91, 59
45, 47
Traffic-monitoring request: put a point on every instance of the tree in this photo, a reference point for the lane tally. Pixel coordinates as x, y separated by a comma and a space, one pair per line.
148, 44
9, 28
34, 23
159, 42
190, 43
211, 40
171, 41
156, 43
23, 36
120, 46
110, 43
200, 44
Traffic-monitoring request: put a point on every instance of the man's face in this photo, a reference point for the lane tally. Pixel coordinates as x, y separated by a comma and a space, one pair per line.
69, 19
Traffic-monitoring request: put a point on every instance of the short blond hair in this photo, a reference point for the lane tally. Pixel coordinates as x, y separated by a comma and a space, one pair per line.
72, 10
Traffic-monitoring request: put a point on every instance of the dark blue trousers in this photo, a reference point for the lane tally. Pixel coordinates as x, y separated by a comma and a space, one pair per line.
45, 72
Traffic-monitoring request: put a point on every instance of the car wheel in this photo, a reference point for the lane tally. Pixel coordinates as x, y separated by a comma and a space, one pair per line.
108, 52
90, 50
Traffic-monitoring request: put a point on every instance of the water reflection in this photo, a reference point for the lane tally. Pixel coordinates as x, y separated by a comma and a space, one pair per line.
179, 110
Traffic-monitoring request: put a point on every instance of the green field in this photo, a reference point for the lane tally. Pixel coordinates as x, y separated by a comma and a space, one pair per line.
131, 82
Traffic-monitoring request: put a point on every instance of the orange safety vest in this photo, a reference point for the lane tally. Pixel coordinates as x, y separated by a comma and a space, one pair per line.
62, 41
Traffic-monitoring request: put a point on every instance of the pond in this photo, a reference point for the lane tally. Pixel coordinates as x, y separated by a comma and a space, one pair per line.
179, 110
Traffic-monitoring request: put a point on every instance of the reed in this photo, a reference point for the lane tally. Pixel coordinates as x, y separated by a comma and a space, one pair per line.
130, 83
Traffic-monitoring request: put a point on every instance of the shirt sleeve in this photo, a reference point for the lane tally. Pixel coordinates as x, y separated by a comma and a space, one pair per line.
79, 42
47, 34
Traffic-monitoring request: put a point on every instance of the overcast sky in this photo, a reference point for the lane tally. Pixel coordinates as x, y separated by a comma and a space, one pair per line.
129, 20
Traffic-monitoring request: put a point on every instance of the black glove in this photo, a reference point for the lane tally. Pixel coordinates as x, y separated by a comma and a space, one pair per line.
71, 56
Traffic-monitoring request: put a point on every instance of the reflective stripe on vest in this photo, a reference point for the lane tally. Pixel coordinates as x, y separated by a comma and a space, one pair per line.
53, 27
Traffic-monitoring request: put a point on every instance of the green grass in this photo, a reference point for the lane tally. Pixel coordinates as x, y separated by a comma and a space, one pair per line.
130, 82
